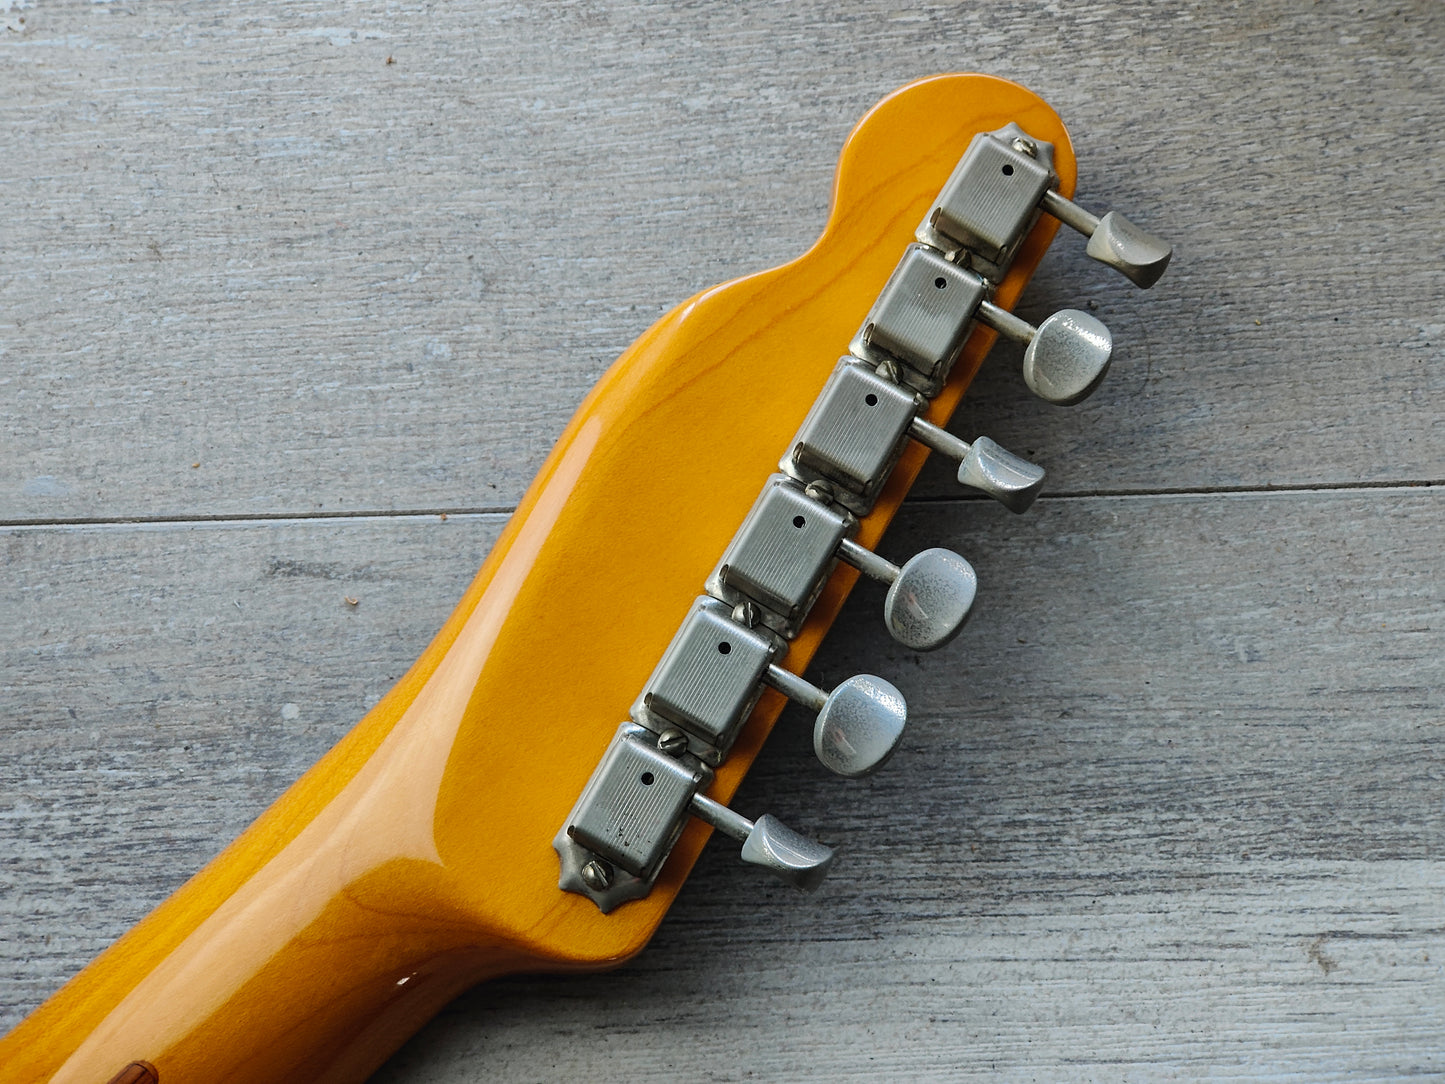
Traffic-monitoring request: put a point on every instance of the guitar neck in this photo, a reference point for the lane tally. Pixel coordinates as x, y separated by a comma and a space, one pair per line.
416, 858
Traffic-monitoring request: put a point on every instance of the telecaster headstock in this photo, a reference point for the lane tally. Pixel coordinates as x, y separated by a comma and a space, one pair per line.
906, 358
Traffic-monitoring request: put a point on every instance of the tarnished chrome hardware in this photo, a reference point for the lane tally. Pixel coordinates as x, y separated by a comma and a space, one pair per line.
859, 723
653, 774
708, 680
1066, 357
769, 843
633, 809
985, 465
928, 599
781, 555
853, 435
785, 549
627, 818
995, 194
984, 211
857, 428
923, 317
926, 311
1135, 253
713, 671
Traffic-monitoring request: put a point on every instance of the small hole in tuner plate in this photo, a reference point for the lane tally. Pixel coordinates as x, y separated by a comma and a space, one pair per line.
724, 647
646, 779
871, 399
940, 282
798, 522
1008, 170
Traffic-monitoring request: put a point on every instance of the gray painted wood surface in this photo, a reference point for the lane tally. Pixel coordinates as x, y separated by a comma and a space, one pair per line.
1172, 805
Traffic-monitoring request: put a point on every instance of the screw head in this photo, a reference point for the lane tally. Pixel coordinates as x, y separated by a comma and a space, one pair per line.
820, 491
597, 875
746, 614
1025, 146
672, 741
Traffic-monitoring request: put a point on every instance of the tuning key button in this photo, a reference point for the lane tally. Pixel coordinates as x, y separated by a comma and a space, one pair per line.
994, 197
1135, 253
768, 842
985, 465
859, 723
1066, 357
928, 599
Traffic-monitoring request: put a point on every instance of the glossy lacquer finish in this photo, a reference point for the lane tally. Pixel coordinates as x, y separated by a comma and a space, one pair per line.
415, 859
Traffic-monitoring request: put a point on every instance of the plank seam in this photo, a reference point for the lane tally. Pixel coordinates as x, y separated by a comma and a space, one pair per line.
500, 510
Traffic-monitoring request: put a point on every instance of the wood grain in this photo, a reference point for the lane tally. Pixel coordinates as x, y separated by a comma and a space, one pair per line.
1171, 806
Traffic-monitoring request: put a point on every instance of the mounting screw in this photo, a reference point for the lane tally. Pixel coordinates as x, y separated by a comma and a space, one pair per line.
1025, 146
746, 614
672, 741
597, 875
820, 491
888, 370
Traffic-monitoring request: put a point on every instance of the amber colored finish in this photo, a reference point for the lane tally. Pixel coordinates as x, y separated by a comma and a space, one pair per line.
415, 858
137, 1072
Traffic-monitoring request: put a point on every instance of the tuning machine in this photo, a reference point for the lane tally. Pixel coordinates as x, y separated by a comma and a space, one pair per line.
782, 555
925, 313
708, 680
858, 427
995, 194
625, 824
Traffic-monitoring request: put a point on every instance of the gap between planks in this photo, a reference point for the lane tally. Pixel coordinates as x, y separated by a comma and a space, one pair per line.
485, 511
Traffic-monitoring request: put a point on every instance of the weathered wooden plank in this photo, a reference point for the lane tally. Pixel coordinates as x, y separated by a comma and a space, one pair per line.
160, 686
1311, 970
1169, 806
252, 267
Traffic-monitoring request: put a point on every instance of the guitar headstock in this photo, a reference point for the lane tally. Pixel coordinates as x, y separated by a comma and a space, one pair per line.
675, 565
